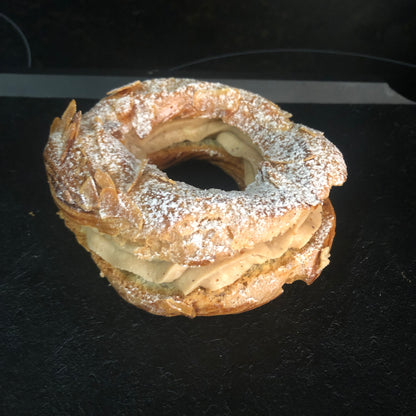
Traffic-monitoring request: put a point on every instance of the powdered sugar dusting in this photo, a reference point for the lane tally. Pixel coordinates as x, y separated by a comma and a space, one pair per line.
180, 222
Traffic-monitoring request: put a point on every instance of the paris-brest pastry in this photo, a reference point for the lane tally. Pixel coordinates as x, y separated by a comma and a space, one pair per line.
171, 248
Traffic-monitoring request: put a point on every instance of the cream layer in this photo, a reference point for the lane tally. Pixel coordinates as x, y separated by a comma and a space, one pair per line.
213, 276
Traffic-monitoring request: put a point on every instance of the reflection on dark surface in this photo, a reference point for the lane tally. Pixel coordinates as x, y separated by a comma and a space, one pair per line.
152, 37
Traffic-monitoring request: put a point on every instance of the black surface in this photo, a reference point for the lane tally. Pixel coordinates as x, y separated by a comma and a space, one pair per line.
345, 345
338, 40
158, 34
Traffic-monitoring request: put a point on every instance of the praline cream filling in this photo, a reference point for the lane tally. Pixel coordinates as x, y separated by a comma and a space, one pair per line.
213, 276
220, 273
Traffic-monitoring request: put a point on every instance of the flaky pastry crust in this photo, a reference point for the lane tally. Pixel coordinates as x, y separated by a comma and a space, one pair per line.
104, 171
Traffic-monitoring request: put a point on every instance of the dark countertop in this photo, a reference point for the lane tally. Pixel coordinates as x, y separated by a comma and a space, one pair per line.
345, 345
350, 40
161, 35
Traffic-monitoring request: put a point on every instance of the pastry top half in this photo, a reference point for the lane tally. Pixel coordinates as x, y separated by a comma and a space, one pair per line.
169, 247
105, 169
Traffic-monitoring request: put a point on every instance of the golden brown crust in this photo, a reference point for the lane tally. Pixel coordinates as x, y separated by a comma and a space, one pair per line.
99, 172
104, 172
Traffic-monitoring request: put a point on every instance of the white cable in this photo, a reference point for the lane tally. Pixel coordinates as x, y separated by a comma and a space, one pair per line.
291, 50
22, 36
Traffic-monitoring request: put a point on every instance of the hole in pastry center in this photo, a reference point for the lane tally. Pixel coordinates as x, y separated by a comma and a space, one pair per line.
200, 139
202, 174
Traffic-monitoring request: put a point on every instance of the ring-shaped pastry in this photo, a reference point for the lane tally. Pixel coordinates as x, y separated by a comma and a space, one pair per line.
171, 248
